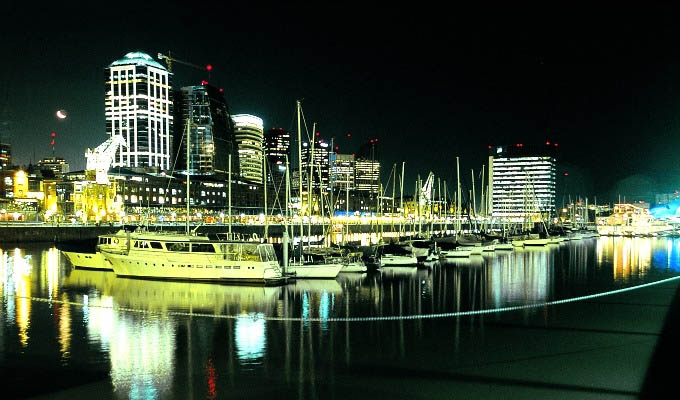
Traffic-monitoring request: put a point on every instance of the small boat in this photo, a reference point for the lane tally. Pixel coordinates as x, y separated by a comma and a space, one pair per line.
314, 270
453, 250
505, 246
535, 240
394, 254
353, 263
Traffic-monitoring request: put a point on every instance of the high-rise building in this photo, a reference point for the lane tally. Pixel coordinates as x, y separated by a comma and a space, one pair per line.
249, 133
522, 181
5, 156
277, 149
57, 165
367, 168
367, 176
342, 171
139, 107
320, 163
212, 131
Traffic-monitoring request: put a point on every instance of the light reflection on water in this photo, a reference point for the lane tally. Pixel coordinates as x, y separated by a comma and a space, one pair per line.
145, 352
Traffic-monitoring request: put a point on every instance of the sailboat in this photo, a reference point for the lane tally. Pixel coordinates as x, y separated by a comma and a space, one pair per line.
309, 265
188, 256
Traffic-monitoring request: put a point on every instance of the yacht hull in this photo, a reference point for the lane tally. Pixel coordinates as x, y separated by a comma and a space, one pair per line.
315, 271
354, 267
87, 260
536, 242
390, 259
191, 267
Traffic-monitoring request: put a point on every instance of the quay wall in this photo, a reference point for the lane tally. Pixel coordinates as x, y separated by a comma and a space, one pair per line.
27, 233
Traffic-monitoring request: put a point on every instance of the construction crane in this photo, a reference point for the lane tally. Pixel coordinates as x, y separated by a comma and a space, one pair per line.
169, 60
101, 158
425, 197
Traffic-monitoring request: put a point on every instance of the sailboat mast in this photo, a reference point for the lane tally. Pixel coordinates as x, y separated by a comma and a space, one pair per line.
229, 200
264, 170
458, 194
401, 197
309, 187
299, 137
188, 198
394, 186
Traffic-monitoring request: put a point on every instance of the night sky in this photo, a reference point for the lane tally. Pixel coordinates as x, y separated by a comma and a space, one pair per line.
430, 83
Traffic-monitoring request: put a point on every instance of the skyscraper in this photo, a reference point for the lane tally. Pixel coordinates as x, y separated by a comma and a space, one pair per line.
522, 181
139, 107
367, 170
320, 161
249, 134
342, 171
212, 131
277, 149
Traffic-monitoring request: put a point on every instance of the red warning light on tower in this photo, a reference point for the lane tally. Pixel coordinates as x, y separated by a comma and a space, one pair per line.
208, 67
53, 134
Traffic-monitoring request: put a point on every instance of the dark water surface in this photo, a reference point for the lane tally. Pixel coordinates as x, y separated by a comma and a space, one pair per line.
69, 333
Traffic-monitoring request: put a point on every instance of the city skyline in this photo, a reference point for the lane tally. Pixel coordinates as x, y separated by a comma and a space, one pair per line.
429, 91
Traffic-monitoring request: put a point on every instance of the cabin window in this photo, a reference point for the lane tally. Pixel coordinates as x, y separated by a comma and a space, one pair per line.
177, 246
230, 251
156, 245
202, 248
267, 252
250, 253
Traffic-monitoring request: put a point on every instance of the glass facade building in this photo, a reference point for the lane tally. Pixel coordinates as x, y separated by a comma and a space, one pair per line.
320, 159
249, 134
522, 181
277, 148
212, 132
342, 171
367, 172
139, 108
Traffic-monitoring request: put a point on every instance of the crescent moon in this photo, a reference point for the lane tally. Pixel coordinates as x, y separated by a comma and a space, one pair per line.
61, 115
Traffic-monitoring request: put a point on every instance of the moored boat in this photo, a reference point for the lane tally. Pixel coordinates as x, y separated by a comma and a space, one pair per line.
176, 256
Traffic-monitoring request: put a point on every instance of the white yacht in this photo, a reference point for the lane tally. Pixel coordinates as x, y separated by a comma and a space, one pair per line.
187, 257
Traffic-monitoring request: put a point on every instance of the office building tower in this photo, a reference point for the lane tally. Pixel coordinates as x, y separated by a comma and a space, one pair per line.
204, 109
522, 182
249, 134
139, 108
319, 161
277, 149
342, 171
367, 168
58, 166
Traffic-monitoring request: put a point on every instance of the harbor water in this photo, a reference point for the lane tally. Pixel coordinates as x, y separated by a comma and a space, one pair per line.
403, 332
